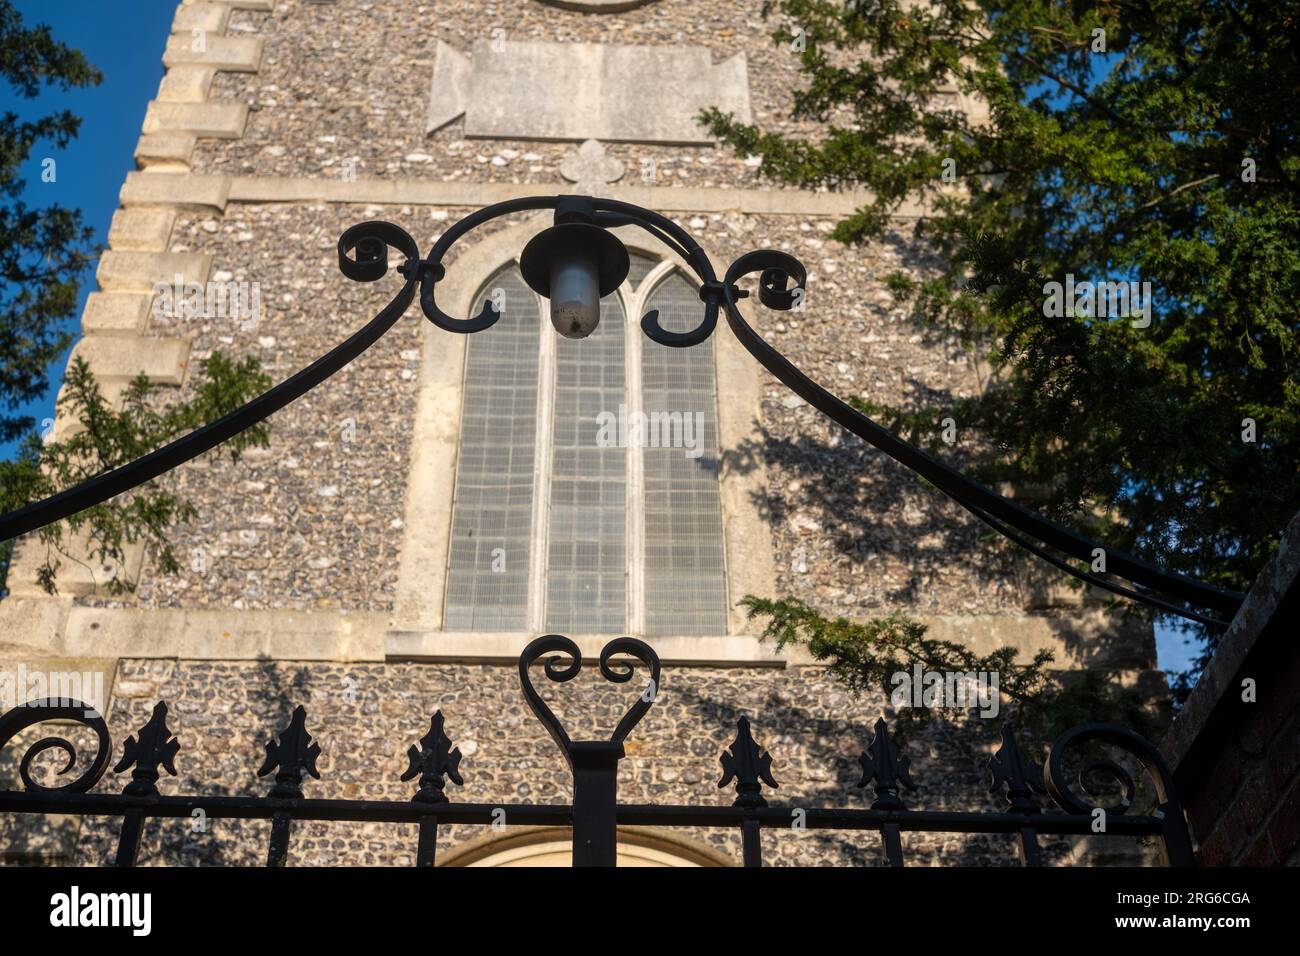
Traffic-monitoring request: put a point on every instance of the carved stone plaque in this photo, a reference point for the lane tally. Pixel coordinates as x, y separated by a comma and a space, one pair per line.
580, 91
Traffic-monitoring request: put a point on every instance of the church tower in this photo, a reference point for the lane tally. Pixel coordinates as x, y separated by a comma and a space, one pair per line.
418, 519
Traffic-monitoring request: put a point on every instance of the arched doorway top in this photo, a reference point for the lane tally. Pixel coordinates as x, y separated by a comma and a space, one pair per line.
551, 846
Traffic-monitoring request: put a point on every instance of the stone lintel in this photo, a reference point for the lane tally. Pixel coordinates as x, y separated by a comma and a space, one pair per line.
597, 6
186, 191
141, 230
301, 189
79, 574
31, 627
121, 358
1089, 638
216, 120
116, 313
142, 271
232, 54
225, 634
734, 651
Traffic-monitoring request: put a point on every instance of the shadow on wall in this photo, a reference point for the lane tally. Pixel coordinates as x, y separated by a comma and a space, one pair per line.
845, 514
270, 701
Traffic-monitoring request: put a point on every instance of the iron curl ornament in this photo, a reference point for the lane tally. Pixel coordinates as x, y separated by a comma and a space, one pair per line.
1168, 807
560, 262
39, 711
594, 762
560, 671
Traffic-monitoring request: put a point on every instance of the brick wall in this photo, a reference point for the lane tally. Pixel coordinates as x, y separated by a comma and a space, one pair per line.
1237, 760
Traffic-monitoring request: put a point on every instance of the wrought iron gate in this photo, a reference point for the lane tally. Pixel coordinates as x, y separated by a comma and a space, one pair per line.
595, 813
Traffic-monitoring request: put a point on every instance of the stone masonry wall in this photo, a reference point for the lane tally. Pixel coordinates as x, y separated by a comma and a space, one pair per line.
350, 81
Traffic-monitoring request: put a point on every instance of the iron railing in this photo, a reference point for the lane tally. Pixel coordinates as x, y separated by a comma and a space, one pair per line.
595, 813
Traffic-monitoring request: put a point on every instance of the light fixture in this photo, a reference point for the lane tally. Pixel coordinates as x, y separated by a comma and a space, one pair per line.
575, 264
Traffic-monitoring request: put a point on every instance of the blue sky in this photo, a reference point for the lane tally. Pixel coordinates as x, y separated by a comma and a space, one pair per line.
125, 39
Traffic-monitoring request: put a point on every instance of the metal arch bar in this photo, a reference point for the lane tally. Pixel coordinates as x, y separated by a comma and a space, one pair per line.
1093, 579
969, 494
100, 488
777, 267
370, 241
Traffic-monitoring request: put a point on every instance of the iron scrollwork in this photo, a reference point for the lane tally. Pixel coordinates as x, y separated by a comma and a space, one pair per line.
782, 286
363, 255
39, 711
617, 672
1061, 787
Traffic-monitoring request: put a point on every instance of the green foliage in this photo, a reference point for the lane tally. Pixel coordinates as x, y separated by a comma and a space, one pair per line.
106, 438
865, 657
43, 252
1151, 142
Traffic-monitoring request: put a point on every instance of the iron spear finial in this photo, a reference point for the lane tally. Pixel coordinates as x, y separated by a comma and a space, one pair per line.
295, 754
433, 760
152, 747
1017, 772
749, 765
882, 764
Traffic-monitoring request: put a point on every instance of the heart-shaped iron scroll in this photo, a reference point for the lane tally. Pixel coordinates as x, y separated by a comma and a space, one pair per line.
618, 672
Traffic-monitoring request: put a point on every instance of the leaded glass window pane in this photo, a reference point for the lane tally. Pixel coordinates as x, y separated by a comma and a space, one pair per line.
685, 575
639, 267
492, 520
586, 575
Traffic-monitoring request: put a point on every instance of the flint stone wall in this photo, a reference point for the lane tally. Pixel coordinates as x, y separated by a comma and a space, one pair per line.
365, 716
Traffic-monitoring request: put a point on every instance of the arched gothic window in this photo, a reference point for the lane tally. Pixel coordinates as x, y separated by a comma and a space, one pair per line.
587, 498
